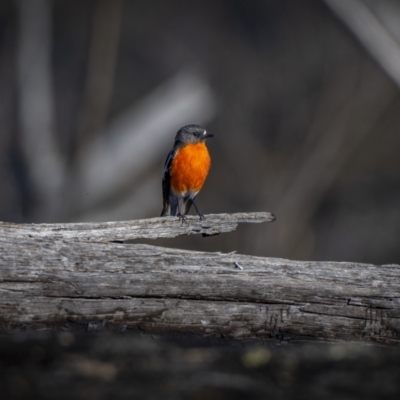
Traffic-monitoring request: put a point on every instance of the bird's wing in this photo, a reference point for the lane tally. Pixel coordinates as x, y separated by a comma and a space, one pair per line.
166, 183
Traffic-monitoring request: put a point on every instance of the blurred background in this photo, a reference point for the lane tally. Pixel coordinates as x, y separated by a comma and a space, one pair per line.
303, 98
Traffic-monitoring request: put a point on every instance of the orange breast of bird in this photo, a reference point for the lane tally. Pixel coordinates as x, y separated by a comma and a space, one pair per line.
190, 168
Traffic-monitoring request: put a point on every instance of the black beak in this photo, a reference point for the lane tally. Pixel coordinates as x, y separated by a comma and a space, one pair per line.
208, 135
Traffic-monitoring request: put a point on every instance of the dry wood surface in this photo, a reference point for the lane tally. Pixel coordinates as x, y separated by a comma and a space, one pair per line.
152, 228
55, 275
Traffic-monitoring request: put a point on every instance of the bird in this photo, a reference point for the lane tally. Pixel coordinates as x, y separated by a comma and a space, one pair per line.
185, 171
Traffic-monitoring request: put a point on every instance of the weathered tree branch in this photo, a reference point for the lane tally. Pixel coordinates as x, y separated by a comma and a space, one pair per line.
152, 228
47, 280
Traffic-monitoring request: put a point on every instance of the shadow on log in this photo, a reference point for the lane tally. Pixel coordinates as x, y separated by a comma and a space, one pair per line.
67, 275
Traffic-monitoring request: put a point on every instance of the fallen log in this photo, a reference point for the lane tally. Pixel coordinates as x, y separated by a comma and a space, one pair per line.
52, 275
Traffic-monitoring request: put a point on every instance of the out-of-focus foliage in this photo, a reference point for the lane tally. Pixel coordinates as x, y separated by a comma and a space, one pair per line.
306, 122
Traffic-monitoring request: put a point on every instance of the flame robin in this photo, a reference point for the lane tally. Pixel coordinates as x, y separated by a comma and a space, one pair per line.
185, 171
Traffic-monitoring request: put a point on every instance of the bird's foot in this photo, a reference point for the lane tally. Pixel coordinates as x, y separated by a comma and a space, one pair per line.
183, 218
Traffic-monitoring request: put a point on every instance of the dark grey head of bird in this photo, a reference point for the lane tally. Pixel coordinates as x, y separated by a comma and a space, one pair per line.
192, 134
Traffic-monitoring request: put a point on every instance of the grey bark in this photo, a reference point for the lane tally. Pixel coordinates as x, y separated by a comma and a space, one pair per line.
151, 228
57, 274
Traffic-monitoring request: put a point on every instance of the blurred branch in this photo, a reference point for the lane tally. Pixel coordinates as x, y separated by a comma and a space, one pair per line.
136, 139
36, 109
371, 33
310, 176
100, 71
10, 198
138, 202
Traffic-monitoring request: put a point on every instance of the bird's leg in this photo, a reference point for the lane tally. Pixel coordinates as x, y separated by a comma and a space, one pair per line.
180, 213
201, 216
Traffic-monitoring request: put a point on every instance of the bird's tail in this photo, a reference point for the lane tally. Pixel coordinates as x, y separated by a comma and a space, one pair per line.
173, 209
166, 211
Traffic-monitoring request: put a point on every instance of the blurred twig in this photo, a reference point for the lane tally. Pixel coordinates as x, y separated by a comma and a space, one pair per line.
36, 113
138, 202
371, 33
315, 171
10, 197
100, 70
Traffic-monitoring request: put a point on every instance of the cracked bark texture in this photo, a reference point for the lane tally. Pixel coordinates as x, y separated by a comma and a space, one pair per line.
55, 275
